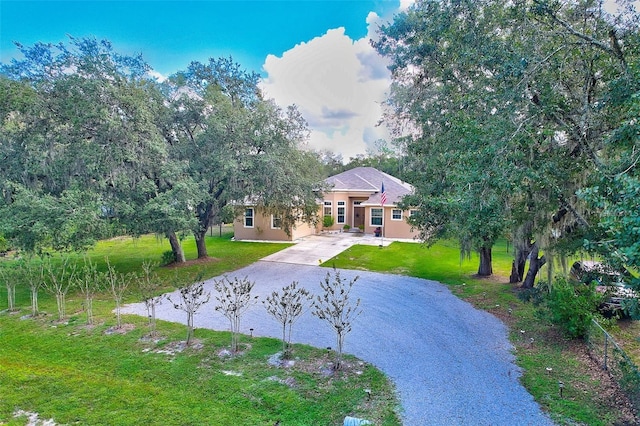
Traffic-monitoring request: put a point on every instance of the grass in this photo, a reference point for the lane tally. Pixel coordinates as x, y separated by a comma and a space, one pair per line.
127, 254
79, 374
587, 396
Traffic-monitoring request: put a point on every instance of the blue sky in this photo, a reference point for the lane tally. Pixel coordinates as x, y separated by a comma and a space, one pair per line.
170, 34
315, 54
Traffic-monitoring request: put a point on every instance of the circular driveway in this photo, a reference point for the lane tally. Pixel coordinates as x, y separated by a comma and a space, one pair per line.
451, 363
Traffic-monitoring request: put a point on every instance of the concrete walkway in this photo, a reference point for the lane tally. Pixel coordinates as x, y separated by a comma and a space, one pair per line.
316, 249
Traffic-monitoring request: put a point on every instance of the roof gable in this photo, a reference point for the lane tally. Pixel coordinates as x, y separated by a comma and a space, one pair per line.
370, 180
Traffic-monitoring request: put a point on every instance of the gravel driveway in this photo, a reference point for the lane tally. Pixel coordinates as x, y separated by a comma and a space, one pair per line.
451, 363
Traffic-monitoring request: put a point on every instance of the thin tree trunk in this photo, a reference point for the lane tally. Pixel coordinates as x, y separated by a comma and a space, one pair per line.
201, 243
285, 355
118, 316
535, 263
176, 247
89, 307
34, 301
485, 269
11, 296
152, 320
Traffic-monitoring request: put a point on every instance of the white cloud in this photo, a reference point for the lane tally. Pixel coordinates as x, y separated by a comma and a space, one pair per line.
157, 76
338, 84
404, 4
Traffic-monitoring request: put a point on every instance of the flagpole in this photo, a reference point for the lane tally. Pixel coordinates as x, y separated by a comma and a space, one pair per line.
383, 199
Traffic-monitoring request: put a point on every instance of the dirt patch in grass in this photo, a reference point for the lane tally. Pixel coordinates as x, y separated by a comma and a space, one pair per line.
200, 261
123, 329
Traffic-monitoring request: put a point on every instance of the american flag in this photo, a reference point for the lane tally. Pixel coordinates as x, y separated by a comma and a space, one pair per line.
383, 196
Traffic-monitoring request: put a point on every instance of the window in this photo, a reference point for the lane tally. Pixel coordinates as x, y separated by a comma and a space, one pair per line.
276, 222
396, 214
413, 212
341, 211
327, 211
248, 218
376, 217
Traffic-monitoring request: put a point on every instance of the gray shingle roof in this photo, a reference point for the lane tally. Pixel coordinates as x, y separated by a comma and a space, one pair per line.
369, 179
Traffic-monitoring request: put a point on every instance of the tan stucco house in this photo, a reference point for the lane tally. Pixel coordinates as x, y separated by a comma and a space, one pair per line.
354, 198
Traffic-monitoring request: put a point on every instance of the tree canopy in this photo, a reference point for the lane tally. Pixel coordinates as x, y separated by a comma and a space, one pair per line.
91, 145
509, 111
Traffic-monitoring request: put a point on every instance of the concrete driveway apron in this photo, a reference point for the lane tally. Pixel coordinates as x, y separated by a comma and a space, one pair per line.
315, 249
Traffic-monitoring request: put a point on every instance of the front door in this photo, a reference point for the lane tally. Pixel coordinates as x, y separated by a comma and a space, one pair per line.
358, 216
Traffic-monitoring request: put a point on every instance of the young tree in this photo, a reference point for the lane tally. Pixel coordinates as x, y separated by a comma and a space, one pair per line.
149, 288
59, 280
286, 308
117, 284
192, 297
89, 281
336, 309
34, 276
10, 279
234, 298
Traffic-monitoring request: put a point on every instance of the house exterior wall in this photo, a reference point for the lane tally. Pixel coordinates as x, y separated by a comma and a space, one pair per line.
341, 200
394, 223
262, 229
302, 229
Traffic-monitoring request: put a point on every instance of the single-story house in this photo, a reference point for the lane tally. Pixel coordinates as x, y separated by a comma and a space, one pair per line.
354, 202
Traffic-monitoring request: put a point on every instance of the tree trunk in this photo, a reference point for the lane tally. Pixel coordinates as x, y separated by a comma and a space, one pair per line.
514, 277
535, 263
519, 264
521, 261
176, 247
485, 269
201, 243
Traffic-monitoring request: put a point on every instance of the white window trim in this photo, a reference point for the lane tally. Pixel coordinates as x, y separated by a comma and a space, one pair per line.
344, 212
328, 204
253, 217
396, 210
275, 227
371, 217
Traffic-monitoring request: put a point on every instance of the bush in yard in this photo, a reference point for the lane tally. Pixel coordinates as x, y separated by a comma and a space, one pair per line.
335, 308
327, 221
149, 288
192, 297
286, 308
4, 245
168, 257
572, 306
10, 279
59, 281
234, 298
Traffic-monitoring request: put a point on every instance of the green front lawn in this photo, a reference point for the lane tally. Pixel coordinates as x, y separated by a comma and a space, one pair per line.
97, 375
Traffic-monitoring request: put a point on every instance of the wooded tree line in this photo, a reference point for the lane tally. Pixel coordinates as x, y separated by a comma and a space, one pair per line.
92, 146
521, 120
